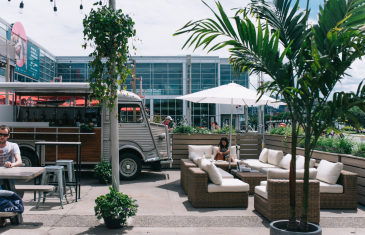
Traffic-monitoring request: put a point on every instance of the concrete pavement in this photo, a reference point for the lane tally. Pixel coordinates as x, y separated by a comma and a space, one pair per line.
163, 209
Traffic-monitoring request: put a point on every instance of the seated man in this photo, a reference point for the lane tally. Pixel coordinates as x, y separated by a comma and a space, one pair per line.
9, 152
9, 155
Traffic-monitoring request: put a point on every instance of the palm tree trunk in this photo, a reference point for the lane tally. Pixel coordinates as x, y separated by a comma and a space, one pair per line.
303, 225
292, 224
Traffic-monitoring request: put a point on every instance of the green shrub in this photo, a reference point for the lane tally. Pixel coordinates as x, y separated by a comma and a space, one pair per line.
334, 145
348, 128
103, 169
116, 205
359, 150
287, 131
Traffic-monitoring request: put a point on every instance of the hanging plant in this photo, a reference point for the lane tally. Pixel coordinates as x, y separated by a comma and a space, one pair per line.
108, 31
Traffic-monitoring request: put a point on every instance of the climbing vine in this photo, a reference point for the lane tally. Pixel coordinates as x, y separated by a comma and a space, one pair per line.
108, 31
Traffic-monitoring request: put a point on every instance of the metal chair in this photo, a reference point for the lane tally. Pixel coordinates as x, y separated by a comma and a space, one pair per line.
61, 182
70, 171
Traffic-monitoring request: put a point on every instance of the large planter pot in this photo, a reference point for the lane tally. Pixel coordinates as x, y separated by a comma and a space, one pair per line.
112, 223
279, 228
102, 181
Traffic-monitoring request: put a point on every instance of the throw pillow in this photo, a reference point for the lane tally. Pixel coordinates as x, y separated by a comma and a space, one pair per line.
198, 160
201, 149
285, 162
301, 161
264, 155
193, 155
213, 173
274, 157
234, 152
329, 172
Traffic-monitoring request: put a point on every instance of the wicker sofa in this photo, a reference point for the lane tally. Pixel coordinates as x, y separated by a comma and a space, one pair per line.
200, 192
188, 163
273, 200
340, 194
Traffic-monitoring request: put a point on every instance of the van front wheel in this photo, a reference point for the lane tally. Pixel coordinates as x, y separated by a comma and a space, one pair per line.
129, 166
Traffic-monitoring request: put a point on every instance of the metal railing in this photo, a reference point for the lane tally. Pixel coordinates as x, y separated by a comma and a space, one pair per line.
7, 49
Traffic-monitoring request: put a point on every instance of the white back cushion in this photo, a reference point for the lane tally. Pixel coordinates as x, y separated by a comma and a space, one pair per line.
215, 150
285, 162
201, 149
234, 152
301, 161
212, 170
274, 157
193, 155
264, 155
329, 171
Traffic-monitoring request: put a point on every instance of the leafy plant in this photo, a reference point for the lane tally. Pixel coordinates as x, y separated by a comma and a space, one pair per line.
333, 145
305, 73
116, 205
109, 31
86, 128
103, 169
225, 129
359, 150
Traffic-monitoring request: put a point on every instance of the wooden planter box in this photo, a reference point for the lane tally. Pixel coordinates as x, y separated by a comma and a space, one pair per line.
350, 163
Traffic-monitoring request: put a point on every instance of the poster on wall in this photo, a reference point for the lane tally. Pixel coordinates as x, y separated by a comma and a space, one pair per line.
26, 54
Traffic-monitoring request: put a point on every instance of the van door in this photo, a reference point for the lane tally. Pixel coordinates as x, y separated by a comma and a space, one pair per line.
133, 126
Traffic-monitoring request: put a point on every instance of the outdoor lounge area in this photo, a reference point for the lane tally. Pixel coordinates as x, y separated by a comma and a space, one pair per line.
164, 209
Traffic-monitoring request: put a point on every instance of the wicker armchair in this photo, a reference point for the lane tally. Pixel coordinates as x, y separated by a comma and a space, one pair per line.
345, 200
277, 204
199, 197
185, 165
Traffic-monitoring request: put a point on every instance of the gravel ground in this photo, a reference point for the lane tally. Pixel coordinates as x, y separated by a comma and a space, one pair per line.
181, 221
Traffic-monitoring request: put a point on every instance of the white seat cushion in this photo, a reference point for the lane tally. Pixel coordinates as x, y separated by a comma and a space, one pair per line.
261, 190
225, 174
234, 152
259, 165
213, 172
328, 171
266, 169
274, 157
263, 183
229, 185
264, 155
201, 149
330, 188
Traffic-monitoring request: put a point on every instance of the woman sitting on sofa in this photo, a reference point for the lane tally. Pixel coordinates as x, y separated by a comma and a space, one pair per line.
223, 150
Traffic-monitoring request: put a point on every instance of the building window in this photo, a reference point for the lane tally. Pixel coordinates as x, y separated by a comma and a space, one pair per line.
228, 76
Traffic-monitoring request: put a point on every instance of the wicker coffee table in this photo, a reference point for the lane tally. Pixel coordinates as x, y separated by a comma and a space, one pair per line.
225, 165
252, 178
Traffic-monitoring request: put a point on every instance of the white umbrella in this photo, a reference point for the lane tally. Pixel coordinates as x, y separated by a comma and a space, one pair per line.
233, 94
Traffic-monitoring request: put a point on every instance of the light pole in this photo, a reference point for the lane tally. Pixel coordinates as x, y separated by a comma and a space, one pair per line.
114, 137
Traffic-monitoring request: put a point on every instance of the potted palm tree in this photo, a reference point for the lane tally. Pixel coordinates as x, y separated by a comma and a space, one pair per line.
313, 61
115, 207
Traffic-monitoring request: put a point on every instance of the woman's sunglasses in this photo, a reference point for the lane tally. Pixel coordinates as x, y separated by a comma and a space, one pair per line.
4, 135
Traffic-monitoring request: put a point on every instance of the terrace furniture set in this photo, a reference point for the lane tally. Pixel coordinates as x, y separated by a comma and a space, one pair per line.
208, 185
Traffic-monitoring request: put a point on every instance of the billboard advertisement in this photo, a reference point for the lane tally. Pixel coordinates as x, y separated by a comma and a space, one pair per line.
26, 54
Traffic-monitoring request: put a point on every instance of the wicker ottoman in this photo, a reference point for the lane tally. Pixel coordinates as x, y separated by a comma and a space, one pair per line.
252, 178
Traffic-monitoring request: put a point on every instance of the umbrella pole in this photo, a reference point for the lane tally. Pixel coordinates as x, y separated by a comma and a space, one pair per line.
230, 138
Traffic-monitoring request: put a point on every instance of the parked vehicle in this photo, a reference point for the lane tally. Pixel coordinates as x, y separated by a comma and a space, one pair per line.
141, 142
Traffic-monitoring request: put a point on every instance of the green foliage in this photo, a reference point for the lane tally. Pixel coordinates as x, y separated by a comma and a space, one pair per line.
358, 114
103, 169
226, 129
184, 128
348, 128
334, 145
86, 128
313, 61
116, 205
359, 150
287, 131
109, 31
